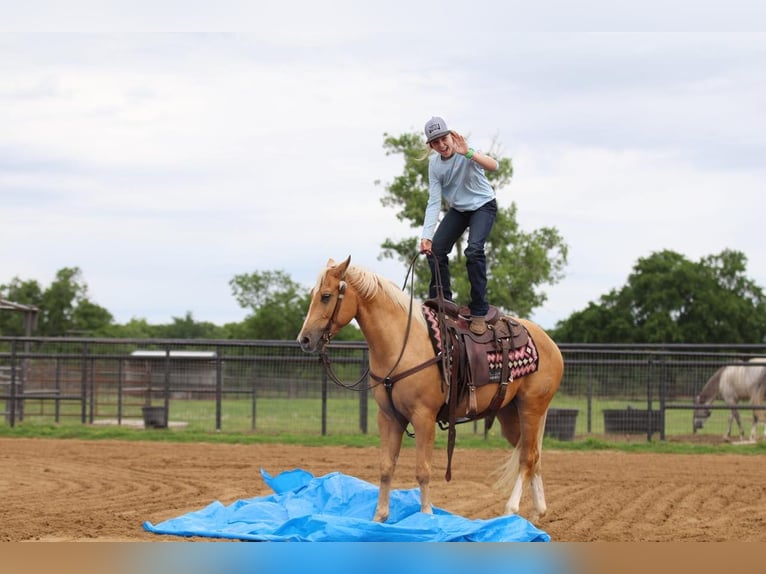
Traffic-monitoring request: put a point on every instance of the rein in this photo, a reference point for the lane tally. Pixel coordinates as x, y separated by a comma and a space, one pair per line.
324, 358
389, 379
451, 386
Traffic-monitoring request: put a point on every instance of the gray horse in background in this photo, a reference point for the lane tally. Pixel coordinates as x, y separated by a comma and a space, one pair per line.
734, 383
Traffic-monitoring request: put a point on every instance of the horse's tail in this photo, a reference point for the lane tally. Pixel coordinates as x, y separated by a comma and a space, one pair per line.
508, 472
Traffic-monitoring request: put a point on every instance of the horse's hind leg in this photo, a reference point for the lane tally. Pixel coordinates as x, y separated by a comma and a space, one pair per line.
391, 433
759, 417
533, 470
523, 466
754, 428
508, 417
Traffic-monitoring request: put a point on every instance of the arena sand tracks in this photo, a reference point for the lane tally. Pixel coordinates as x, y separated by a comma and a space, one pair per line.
73, 490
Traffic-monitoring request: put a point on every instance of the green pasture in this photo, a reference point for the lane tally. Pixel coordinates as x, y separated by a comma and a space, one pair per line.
678, 422
299, 421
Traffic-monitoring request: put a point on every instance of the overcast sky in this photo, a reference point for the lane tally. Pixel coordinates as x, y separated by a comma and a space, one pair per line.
162, 164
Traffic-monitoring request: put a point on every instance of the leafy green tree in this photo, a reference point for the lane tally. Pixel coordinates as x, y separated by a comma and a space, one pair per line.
278, 306
65, 306
23, 292
91, 319
187, 328
669, 299
518, 262
136, 328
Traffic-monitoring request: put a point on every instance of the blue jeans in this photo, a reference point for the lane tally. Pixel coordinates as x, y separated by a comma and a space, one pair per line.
479, 223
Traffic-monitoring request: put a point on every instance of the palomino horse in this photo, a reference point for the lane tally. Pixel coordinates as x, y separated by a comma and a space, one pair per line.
734, 383
399, 344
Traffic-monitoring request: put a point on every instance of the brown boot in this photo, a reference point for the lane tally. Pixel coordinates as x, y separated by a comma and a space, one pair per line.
478, 325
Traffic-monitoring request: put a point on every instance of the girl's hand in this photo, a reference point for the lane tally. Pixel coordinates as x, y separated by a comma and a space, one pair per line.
460, 145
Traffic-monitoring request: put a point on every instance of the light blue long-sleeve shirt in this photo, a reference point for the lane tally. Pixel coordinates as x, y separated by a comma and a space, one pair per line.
461, 182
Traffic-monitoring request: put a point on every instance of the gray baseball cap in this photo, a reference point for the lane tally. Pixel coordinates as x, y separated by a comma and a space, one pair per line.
435, 128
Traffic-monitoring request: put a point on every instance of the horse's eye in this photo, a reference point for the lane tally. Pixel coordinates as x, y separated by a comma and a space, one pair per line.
326, 297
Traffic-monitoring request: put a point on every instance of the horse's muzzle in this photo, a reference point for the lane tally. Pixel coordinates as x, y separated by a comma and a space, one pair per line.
310, 343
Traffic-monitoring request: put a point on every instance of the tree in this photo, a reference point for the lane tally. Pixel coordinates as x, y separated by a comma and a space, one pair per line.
136, 328
669, 299
278, 307
188, 328
91, 319
65, 306
518, 262
276, 302
18, 291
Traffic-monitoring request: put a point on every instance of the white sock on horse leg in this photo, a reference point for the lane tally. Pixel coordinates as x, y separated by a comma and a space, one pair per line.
514, 501
538, 496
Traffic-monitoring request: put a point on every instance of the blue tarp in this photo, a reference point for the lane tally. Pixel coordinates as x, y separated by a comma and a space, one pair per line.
339, 508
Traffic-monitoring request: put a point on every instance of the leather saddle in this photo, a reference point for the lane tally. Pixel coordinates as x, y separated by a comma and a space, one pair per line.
469, 361
473, 360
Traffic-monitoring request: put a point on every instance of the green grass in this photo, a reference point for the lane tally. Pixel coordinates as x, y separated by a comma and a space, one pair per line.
677, 421
298, 421
464, 440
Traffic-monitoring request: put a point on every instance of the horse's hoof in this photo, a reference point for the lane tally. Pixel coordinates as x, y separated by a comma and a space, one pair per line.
510, 510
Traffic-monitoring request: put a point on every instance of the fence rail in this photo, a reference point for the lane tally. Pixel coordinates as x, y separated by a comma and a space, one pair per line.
635, 391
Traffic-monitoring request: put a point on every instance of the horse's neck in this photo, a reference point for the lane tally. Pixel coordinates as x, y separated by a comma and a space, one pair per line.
711, 389
384, 326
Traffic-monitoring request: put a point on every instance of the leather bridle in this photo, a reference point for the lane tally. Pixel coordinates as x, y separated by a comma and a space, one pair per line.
389, 380
327, 332
324, 358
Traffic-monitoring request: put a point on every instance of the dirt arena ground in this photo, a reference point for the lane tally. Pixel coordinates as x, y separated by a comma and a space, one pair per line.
72, 490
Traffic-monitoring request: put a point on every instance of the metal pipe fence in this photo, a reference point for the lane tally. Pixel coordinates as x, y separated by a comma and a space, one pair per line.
272, 387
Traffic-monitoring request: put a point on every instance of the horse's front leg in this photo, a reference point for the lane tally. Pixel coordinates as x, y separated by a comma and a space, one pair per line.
425, 430
734, 416
754, 429
391, 432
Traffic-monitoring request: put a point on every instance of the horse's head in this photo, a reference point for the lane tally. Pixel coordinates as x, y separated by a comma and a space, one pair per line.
331, 308
701, 414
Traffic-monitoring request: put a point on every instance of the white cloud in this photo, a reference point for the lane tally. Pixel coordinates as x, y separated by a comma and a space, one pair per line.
614, 207
164, 164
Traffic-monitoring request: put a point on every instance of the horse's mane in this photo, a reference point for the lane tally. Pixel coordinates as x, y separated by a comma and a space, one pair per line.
368, 285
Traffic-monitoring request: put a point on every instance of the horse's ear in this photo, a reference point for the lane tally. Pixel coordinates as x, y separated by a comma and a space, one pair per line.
339, 269
343, 267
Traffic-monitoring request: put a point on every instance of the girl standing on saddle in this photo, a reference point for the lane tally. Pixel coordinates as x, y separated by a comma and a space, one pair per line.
456, 173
